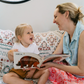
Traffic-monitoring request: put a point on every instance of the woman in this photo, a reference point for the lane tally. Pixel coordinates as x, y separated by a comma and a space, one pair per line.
68, 18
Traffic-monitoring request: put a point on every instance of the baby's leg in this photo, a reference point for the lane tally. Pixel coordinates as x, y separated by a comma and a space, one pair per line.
13, 78
42, 75
30, 73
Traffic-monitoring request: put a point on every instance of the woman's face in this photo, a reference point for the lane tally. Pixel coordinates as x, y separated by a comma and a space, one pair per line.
60, 19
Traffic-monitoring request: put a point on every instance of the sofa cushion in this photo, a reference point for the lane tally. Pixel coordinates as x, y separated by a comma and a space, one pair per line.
47, 41
6, 43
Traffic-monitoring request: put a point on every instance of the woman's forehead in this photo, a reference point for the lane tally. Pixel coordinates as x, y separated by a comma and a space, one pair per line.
56, 11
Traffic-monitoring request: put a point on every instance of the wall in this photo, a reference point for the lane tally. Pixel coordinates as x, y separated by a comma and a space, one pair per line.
38, 13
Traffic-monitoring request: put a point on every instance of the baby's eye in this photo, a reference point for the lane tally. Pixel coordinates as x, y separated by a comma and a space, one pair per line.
28, 32
32, 32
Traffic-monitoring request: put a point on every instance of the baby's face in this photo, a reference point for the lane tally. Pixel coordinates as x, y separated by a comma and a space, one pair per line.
27, 37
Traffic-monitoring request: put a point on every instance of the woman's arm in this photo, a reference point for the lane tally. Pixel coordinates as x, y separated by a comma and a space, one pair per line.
79, 69
59, 49
81, 53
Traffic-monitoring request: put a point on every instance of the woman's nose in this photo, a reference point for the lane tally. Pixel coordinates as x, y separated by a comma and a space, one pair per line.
53, 21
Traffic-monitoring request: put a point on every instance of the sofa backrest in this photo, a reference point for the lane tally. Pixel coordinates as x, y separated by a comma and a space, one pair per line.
46, 42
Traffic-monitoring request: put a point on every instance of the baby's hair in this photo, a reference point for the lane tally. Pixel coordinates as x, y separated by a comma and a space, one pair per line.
20, 30
75, 13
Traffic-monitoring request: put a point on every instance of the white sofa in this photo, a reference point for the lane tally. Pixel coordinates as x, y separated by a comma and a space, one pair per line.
46, 41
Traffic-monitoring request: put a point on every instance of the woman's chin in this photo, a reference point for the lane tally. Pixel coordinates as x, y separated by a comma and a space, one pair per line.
60, 28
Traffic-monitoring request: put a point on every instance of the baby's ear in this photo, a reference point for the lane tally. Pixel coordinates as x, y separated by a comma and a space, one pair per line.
19, 37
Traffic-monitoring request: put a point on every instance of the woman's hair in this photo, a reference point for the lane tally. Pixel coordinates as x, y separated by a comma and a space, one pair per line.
20, 30
75, 13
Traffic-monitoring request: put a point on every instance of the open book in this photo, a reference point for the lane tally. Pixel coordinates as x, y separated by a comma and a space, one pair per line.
25, 60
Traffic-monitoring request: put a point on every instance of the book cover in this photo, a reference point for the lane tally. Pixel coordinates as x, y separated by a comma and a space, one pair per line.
25, 60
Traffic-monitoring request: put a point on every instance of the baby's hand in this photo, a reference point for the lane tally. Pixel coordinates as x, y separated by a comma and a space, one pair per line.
10, 52
28, 69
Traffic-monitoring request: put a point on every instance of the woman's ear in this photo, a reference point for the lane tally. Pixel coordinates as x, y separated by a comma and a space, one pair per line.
19, 37
67, 14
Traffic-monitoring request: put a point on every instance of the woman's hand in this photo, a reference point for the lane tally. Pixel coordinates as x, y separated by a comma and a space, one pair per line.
10, 54
46, 65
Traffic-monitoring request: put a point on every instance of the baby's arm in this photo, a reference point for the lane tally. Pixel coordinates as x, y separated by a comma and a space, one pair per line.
10, 54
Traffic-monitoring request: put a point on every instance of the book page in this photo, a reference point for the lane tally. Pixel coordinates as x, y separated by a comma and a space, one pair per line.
52, 57
25, 60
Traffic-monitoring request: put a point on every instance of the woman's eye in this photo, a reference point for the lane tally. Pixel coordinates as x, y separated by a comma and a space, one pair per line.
55, 16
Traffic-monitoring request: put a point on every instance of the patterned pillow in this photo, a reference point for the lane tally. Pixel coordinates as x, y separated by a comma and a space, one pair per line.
6, 43
47, 41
